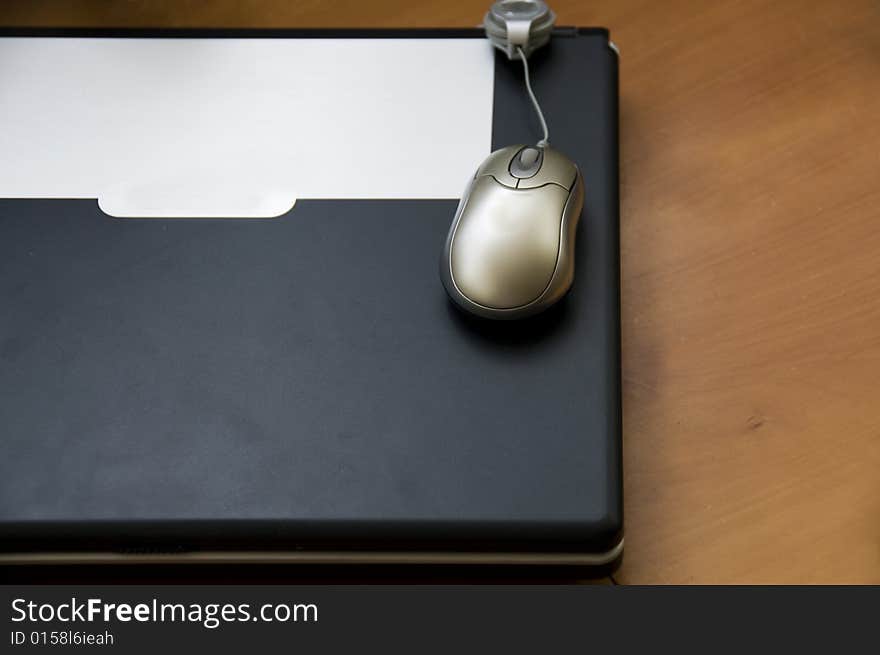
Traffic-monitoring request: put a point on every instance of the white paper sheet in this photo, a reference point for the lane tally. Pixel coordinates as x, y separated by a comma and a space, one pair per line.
240, 127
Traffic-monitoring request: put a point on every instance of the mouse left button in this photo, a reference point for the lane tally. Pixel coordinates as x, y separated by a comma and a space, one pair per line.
497, 165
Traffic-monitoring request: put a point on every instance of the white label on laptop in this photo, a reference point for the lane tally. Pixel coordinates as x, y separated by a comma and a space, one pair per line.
240, 127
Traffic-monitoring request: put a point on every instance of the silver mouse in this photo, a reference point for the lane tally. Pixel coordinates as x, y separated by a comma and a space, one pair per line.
510, 249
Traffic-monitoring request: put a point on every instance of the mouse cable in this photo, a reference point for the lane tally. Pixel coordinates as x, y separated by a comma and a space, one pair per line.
546, 140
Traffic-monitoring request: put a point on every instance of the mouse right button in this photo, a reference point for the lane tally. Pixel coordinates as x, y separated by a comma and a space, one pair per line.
556, 168
526, 162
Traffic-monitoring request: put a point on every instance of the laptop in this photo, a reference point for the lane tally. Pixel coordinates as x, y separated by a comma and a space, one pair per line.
288, 382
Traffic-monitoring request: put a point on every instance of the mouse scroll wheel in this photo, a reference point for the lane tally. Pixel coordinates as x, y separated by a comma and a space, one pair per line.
526, 162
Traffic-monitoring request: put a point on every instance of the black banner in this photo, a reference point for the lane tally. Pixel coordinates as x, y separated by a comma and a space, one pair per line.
411, 619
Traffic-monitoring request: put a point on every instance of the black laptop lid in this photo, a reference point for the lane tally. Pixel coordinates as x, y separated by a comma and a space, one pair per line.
303, 382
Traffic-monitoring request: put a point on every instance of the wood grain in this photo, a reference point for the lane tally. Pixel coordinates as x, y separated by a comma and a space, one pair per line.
750, 136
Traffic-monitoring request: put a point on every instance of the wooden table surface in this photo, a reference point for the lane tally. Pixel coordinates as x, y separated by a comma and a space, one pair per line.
750, 229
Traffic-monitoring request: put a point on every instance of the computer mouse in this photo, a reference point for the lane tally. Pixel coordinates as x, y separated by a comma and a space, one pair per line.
510, 250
